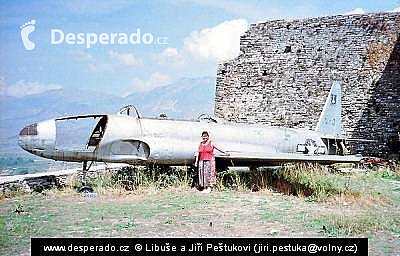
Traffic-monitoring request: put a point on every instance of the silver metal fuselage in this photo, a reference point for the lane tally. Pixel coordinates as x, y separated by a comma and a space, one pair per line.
130, 139
133, 140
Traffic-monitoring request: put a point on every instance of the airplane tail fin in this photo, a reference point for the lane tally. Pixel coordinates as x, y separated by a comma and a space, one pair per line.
330, 121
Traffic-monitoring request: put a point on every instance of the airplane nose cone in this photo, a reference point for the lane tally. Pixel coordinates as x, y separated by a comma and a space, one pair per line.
38, 136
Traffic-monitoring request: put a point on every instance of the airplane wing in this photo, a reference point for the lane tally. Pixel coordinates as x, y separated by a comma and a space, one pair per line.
347, 139
279, 158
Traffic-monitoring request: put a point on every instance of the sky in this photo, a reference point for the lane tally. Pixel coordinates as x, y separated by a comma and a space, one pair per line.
122, 47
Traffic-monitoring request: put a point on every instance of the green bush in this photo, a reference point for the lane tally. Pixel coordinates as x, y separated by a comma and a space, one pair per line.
310, 180
227, 180
387, 173
132, 178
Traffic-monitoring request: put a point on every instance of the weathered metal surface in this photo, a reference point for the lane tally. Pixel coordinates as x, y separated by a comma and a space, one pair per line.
130, 139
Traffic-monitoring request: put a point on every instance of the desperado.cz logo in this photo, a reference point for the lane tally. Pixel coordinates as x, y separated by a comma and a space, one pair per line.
58, 37
26, 29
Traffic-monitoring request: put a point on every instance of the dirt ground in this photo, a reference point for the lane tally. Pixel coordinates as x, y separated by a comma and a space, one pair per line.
174, 212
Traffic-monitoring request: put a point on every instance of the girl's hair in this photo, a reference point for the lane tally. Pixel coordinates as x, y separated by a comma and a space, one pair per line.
204, 133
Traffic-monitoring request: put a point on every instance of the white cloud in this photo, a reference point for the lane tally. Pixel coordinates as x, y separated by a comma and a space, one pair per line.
100, 67
92, 62
355, 11
396, 9
81, 55
203, 49
90, 7
171, 56
155, 80
115, 60
24, 88
219, 43
247, 9
127, 59
3, 87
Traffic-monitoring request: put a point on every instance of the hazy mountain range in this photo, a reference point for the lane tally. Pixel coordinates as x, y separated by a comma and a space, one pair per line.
186, 99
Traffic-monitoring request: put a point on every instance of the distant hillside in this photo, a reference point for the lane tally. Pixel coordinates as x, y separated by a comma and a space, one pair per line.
186, 98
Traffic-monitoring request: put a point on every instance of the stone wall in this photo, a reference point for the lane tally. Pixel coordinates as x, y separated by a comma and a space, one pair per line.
51, 179
286, 68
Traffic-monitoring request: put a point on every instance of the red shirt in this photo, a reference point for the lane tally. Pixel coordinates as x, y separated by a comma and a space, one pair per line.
206, 150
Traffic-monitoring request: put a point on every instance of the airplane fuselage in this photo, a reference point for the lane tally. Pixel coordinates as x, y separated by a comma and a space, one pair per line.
132, 140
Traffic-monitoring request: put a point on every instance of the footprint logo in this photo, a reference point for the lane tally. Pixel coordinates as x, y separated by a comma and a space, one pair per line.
26, 29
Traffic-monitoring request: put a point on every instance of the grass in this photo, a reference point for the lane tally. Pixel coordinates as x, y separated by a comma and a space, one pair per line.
315, 182
342, 225
133, 178
138, 202
387, 173
312, 181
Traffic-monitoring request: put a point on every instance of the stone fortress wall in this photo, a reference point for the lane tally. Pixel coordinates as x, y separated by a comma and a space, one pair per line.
286, 68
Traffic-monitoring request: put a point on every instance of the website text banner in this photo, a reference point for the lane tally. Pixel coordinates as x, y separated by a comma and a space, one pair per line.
204, 246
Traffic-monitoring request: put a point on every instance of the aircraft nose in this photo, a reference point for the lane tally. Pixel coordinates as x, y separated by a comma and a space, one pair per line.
38, 136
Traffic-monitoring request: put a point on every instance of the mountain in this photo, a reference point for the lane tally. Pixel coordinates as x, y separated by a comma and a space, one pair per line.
187, 98
18, 112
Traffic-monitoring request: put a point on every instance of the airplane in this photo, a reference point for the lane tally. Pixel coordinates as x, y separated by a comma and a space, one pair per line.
126, 137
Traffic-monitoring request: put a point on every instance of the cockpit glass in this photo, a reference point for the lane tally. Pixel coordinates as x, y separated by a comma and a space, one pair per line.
79, 132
